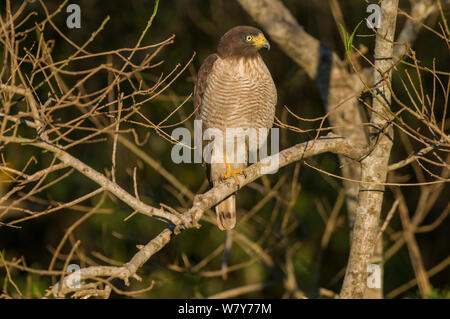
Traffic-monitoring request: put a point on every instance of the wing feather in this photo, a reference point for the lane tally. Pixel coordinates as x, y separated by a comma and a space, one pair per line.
201, 82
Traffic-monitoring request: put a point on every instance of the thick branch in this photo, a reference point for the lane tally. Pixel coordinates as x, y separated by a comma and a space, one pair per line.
374, 167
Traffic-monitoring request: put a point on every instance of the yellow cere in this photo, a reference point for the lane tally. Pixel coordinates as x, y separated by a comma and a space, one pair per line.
259, 41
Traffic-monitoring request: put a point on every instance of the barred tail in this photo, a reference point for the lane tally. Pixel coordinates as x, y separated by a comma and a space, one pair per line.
226, 213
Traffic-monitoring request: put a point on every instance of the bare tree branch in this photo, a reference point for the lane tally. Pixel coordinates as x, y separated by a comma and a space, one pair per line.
205, 201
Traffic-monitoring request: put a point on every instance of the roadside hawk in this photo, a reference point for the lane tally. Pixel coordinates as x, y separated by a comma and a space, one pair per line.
234, 90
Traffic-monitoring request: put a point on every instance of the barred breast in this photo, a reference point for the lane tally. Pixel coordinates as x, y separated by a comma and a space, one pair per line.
240, 94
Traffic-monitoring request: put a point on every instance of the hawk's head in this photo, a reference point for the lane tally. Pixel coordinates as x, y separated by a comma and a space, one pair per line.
242, 41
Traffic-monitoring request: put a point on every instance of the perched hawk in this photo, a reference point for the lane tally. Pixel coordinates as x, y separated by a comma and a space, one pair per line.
234, 89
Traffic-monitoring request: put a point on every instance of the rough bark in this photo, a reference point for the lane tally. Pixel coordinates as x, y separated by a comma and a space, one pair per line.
374, 167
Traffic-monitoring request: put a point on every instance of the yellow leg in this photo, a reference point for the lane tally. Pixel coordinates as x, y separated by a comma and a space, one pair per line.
231, 172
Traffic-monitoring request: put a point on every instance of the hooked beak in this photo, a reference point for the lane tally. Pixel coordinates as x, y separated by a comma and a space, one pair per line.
262, 42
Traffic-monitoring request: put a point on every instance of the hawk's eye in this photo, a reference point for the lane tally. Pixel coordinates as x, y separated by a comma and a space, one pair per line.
248, 38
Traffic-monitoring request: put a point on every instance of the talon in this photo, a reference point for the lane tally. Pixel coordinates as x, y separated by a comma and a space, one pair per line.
231, 172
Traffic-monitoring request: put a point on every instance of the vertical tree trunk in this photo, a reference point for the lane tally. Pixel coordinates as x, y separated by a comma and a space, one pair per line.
375, 166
